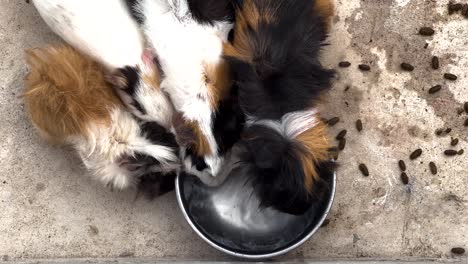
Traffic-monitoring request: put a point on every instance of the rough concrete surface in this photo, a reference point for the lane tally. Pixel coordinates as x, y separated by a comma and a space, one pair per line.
49, 208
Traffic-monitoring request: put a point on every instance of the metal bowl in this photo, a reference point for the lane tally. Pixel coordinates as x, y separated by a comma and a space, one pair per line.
228, 217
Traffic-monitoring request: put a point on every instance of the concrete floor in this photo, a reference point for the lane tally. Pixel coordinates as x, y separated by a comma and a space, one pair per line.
49, 208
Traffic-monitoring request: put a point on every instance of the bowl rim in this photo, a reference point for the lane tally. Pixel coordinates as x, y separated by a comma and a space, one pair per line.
256, 256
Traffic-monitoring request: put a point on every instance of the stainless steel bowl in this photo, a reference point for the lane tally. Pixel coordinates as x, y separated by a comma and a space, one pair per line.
228, 218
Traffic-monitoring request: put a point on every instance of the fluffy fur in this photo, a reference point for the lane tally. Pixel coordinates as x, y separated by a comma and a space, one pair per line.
188, 37
70, 102
105, 31
275, 62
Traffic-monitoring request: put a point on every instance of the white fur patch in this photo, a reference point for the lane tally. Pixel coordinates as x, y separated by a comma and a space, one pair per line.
102, 29
183, 47
101, 153
291, 124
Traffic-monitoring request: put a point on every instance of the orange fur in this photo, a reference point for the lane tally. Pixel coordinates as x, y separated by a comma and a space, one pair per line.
66, 92
202, 146
326, 9
247, 17
316, 145
217, 78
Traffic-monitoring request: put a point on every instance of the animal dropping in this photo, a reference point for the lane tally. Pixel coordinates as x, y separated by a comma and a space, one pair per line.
333, 121
450, 76
344, 64
402, 165
404, 178
364, 170
416, 154
435, 89
359, 125
433, 168
341, 135
450, 152
458, 250
435, 63
364, 67
342, 144
407, 67
426, 31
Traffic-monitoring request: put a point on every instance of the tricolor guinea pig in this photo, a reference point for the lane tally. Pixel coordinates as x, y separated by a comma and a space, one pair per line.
106, 31
187, 37
274, 57
71, 102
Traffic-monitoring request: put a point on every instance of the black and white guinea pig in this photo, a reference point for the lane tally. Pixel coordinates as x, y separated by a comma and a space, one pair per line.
187, 37
274, 58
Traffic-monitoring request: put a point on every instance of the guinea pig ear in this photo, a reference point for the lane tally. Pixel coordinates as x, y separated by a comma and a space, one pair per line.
149, 59
117, 79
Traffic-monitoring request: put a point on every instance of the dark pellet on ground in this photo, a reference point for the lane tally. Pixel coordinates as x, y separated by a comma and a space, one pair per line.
325, 223
359, 125
364, 170
465, 10
460, 111
451, 77
342, 144
435, 89
439, 131
465, 106
426, 45
448, 130
402, 165
458, 250
333, 149
347, 88
407, 67
344, 64
426, 31
333, 121
466, 122
452, 8
364, 67
404, 178
341, 135
454, 142
435, 63
433, 168
416, 154
450, 152
460, 152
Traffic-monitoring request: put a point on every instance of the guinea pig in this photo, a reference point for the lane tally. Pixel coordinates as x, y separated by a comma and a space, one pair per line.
274, 58
187, 37
106, 31
71, 102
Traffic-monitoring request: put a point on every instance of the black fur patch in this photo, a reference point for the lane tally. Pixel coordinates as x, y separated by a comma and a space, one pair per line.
132, 77
286, 74
277, 172
197, 161
154, 184
210, 11
158, 135
132, 6
228, 122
